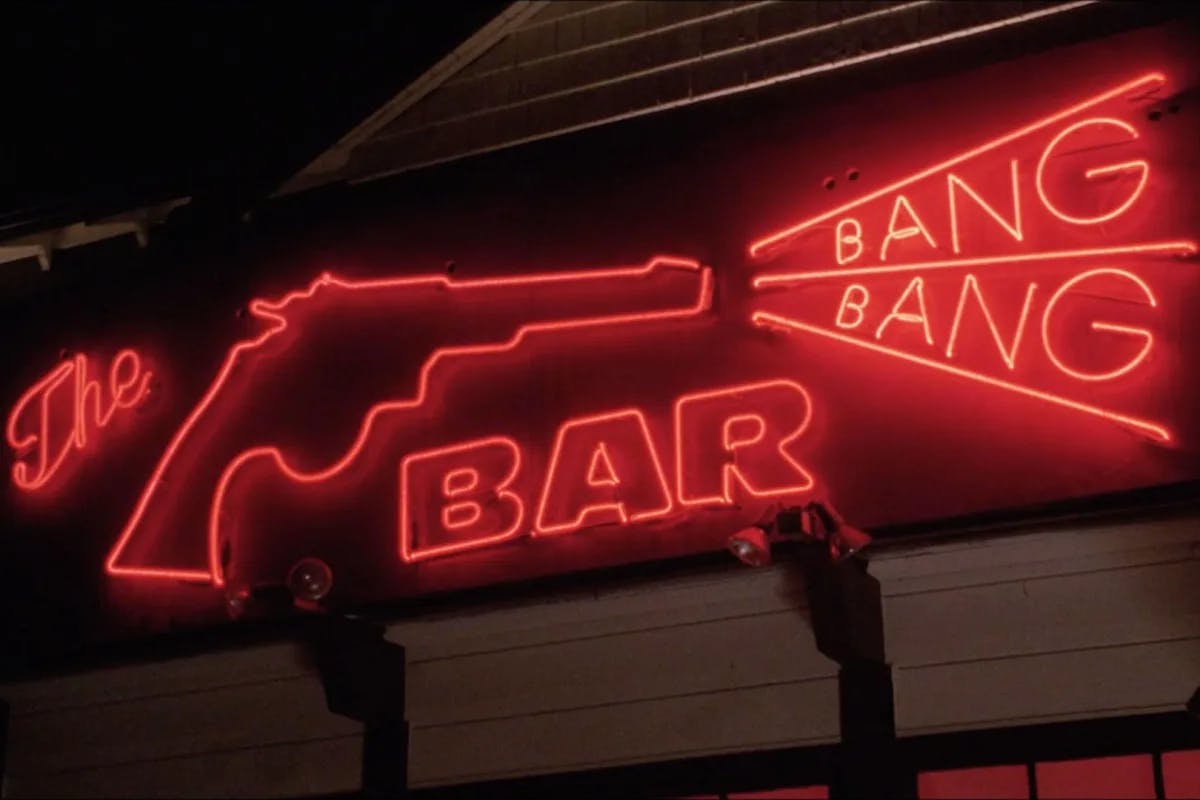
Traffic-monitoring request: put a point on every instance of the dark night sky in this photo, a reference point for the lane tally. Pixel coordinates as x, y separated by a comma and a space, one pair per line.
109, 105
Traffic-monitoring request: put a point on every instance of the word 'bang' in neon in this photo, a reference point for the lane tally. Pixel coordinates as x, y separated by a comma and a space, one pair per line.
1146, 427
772, 243
1059, 135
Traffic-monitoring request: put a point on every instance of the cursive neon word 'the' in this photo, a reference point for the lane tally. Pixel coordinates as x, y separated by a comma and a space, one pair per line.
55, 416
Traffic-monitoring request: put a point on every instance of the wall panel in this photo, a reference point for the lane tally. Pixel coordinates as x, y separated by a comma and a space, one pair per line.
789, 714
244, 722
708, 663
1099, 620
286, 769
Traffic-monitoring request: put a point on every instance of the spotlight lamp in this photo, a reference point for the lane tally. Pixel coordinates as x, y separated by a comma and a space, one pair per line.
750, 546
306, 588
813, 522
309, 581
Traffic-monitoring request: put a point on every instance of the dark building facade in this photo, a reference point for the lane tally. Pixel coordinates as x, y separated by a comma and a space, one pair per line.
417, 475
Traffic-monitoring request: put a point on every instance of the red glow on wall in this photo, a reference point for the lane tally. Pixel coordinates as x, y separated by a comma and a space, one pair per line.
1013, 228
460, 522
738, 439
911, 308
1009, 782
913, 297
61, 412
274, 314
568, 420
1062, 164
1008, 353
1181, 774
790, 793
914, 226
634, 489
604, 469
1141, 334
1138, 167
1117, 777
1143, 426
772, 242
1177, 249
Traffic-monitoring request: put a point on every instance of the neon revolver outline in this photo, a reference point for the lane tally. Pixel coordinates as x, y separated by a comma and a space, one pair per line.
626, 307
121, 562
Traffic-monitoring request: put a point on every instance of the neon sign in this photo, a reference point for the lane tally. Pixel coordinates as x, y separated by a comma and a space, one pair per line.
1042, 159
651, 286
56, 416
1143, 86
606, 469
451, 409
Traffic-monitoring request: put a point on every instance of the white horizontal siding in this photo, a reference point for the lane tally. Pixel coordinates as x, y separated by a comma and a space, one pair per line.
626, 668
1048, 687
673, 599
191, 721
694, 665
291, 769
685, 665
982, 632
1041, 627
114, 684
789, 714
235, 723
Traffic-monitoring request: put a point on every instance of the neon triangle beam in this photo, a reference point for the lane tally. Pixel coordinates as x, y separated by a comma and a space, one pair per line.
1144, 427
776, 241
1177, 249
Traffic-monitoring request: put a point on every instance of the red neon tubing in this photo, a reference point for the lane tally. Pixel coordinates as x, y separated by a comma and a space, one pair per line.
270, 311
1146, 336
83, 389
730, 472
1176, 248
1141, 166
772, 242
409, 554
540, 528
1146, 427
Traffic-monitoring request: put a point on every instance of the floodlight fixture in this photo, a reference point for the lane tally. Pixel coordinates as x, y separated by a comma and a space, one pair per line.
816, 522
